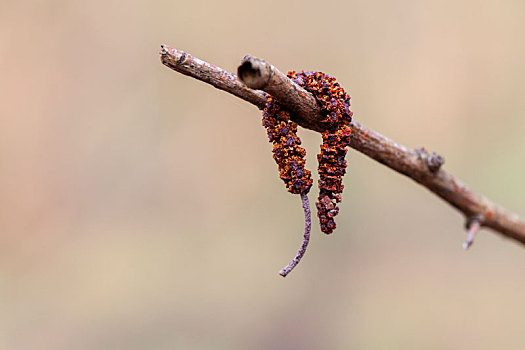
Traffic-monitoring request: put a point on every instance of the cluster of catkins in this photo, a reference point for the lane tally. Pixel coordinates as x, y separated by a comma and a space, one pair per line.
282, 132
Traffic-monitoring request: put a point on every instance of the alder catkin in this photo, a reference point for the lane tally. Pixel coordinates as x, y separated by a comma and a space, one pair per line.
289, 156
335, 105
282, 132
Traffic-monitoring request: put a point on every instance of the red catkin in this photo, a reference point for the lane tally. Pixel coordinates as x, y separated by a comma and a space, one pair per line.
287, 153
335, 105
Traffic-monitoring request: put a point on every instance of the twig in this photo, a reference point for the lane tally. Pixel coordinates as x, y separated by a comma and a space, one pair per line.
306, 237
397, 157
473, 225
186, 64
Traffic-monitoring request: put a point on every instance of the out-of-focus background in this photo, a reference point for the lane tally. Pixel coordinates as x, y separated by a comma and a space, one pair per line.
141, 209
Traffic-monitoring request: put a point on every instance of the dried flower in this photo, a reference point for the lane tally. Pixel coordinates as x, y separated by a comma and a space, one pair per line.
335, 105
288, 155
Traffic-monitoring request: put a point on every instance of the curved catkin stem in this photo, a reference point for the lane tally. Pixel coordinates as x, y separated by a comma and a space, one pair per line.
306, 238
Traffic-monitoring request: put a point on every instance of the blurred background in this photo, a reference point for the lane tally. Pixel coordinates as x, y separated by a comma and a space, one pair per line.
141, 209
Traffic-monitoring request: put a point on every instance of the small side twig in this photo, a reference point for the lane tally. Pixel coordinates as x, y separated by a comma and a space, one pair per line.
473, 225
306, 237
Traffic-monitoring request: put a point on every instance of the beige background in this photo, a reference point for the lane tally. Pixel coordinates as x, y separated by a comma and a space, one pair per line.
141, 209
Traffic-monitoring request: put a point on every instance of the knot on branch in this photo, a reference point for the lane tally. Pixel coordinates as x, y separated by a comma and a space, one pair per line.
433, 161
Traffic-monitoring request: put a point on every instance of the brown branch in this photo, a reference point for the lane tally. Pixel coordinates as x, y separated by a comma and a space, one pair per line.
186, 64
306, 237
416, 164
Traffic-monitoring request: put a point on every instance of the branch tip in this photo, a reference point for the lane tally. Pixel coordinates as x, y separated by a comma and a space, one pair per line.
254, 72
164, 49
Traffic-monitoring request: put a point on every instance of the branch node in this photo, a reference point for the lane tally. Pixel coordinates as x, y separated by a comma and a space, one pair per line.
434, 162
473, 224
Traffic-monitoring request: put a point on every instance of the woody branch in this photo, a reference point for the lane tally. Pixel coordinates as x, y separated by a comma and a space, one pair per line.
417, 164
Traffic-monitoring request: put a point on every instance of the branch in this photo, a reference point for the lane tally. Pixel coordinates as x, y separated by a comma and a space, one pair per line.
417, 164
